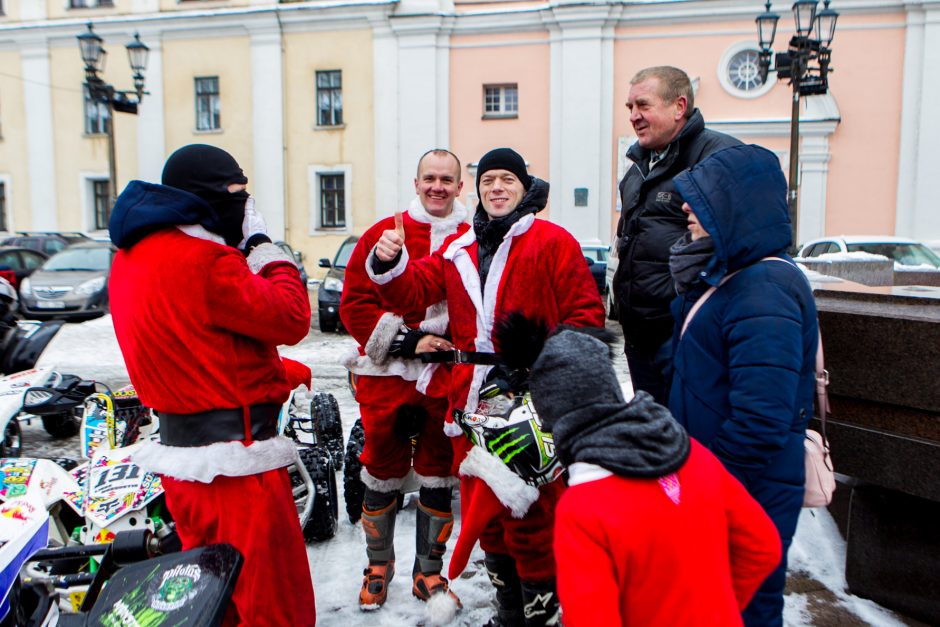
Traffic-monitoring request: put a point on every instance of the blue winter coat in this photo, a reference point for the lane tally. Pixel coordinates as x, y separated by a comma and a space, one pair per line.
744, 371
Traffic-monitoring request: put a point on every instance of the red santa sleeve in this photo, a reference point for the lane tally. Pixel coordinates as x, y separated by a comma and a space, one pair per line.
579, 302
587, 584
364, 315
272, 306
753, 542
297, 373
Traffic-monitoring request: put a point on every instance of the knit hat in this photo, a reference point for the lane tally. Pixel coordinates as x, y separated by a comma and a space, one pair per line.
504, 159
206, 171
577, 396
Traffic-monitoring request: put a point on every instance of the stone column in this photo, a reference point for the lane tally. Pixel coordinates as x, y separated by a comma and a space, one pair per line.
267, 122
40, 140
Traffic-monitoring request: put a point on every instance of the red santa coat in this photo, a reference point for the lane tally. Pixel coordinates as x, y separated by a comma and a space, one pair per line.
538, 270
660, 552
392, 381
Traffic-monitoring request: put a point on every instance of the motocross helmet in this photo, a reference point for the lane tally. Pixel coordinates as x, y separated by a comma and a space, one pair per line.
509, 428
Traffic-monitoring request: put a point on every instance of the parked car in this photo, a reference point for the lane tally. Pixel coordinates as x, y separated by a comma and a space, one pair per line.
902, 250
48, 243
73, 283
331, 289
596, 256
298, 258
613, 259
17, 263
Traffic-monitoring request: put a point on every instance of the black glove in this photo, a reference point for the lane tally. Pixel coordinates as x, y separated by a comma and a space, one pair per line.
405, 343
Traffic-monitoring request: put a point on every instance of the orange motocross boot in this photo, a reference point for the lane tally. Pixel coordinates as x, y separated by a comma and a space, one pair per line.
379, 527
433, 529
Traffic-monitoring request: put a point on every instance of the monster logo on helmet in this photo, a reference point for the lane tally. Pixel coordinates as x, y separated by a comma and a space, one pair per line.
510, 429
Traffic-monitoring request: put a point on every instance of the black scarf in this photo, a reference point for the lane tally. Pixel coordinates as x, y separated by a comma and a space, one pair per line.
687, 260
639, 439
490, 233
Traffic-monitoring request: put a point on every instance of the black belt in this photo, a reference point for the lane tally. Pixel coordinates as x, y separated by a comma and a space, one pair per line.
461, 357
218, 425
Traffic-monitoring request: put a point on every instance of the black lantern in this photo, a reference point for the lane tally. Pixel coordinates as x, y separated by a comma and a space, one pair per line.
825, 26
92, 51
767, 28
804, 14
137, 54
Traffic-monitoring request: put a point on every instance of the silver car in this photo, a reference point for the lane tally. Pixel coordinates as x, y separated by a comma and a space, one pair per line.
73, 283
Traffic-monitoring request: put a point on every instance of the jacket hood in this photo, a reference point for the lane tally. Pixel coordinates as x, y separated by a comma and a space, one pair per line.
143, 208
739, 196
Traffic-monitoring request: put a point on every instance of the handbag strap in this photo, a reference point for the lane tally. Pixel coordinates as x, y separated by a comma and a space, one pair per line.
822, 375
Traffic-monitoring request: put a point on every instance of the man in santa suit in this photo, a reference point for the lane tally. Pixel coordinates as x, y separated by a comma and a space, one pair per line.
400, 397
509, 262
199, 324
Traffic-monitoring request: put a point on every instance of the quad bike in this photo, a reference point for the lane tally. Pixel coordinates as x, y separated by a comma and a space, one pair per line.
13, 391
145, 586
21, 341
313, 422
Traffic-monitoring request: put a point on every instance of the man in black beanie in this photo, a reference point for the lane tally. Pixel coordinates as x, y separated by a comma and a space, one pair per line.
652, 529
509, 262
198, 322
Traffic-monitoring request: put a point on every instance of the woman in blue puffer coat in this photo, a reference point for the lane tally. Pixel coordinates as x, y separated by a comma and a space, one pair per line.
744, 368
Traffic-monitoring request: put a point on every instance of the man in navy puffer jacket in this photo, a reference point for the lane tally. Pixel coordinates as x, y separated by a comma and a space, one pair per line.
744, 368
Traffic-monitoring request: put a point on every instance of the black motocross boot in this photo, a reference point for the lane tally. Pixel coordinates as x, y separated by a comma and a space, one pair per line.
501, 569
540, 603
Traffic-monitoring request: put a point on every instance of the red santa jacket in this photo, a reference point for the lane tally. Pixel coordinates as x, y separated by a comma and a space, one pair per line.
198, 326
370, 321
687, 549
538, 270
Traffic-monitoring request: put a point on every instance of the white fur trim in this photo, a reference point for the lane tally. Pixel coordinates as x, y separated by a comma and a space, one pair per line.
452, 429
264, 254
381, 485
382, 337
509, 488
392, 274
441, 227
407, 369
226, 459
424, 379
436, 320
436, 482
581, 472
200, 232
441, 609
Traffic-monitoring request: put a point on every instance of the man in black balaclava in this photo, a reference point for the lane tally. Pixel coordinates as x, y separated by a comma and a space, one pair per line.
199, 322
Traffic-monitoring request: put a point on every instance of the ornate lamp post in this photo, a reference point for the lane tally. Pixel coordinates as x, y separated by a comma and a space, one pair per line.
806, 64
94, 55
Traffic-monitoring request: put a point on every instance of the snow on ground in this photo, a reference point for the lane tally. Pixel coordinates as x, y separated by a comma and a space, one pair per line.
90, 350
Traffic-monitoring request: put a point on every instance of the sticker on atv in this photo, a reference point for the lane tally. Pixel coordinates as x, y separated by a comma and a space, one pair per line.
115, 485
15, 477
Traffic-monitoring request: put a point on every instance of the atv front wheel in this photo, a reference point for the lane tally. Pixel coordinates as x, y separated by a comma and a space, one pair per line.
324, 412
354, 490
63, 425
321, 525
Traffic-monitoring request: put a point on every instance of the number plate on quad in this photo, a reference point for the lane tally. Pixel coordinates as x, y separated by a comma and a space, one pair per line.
115, 485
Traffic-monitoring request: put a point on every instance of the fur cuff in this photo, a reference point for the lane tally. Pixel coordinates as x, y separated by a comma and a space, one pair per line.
392, 274
263, 254
509, 488
436, 319
452, 429
383, 335
436, 482
381, 485
226, 459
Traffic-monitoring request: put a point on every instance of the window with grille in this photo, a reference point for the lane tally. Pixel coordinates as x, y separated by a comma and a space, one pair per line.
102, 201
96, 115
330, 98
3, 206
332, 201
208, 107
88, 4
501, 101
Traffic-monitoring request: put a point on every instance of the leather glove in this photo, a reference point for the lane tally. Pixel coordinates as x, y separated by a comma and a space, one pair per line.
253, 224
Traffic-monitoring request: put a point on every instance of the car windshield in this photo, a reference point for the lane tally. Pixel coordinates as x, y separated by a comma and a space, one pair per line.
89, 259
597, 254
905, 254
345, 252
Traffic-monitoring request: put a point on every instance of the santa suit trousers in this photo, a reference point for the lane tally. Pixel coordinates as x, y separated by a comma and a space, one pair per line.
256, 514
387, 455
530, 539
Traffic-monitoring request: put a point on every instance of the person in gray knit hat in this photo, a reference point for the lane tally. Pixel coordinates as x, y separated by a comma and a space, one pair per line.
652, 529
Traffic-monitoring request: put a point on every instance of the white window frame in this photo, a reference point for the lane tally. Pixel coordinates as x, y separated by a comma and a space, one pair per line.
730, 87
502, 112
314, 172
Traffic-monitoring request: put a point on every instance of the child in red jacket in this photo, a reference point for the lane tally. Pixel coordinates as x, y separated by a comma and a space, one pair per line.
652, 529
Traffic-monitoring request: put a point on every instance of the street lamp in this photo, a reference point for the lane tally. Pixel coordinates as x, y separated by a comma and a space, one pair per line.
94, 55
805, 64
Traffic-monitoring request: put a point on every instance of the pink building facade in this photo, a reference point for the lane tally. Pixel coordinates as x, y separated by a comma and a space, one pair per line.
551, 80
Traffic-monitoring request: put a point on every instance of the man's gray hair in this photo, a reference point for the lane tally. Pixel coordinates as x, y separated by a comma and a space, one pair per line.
673, 83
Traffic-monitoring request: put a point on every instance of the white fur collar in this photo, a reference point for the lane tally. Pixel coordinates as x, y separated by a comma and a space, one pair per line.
200, 232
441, 227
